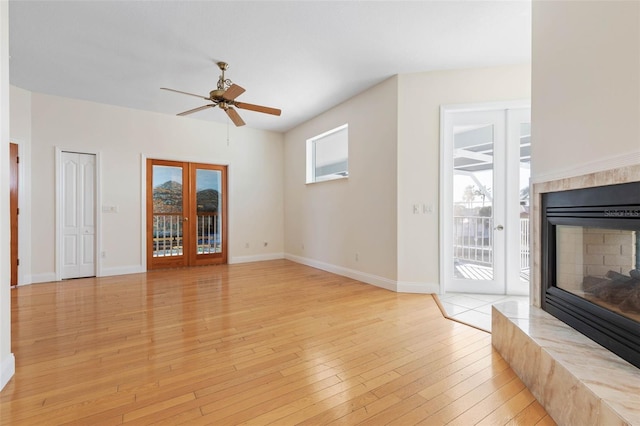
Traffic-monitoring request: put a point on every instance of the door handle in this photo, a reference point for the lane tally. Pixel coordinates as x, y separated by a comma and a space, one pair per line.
186, 219
499, 227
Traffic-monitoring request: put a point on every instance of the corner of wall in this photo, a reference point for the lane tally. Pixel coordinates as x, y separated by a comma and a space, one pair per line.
7, 361
7, 369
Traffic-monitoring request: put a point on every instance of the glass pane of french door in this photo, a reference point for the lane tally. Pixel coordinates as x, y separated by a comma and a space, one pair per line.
477, 233
524, 176
208, 208
208, 204
473, 202
518, 196
168, 213
475, 258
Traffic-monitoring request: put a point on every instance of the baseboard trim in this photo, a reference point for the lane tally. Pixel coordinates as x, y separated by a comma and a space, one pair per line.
418, 287
7, 370
346, 272
122, 270
256, 258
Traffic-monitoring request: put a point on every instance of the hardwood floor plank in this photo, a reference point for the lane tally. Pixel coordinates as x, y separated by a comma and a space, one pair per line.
264, 343
506, 412
531, 415
546, 421
490, 409
157, 407
462, 397
363, 414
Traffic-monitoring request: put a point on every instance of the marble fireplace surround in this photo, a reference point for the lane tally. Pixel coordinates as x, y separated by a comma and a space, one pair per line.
574, 378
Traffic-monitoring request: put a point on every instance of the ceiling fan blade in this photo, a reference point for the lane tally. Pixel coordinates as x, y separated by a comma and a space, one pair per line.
191, 111
235, 117
233, 92
185, 93
258, 108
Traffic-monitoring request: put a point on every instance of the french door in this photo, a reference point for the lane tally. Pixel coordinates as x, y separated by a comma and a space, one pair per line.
186, 214
485, 199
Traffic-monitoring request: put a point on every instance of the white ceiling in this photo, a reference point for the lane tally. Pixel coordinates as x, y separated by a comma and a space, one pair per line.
303, 57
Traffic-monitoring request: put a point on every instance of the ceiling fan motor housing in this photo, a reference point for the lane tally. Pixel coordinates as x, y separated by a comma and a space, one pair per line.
215, 95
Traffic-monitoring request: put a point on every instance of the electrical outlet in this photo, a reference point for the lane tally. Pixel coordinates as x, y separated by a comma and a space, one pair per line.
103, 254
357, 257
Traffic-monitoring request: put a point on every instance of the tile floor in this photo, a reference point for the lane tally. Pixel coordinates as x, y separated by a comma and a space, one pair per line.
474, 309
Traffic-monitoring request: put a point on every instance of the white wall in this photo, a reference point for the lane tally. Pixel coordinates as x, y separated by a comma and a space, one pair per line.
420, 98
122, 137
586, 84
21, 135
7, 362
336, 219
394, 139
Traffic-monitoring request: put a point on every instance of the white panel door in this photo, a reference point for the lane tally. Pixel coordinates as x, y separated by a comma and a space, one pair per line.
78, 215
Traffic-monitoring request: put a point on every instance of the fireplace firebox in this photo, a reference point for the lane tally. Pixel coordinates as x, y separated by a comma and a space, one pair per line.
591, 264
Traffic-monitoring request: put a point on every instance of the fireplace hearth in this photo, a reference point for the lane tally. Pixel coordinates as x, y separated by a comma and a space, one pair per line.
591, 264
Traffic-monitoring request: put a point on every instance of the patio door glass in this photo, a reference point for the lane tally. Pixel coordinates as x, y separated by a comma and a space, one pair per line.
208, 184
186, 205
483, 230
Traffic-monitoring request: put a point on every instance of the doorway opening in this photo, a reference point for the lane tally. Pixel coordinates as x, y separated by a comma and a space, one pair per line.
186, 214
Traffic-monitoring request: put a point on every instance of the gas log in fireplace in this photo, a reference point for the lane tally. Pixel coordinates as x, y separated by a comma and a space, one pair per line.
591, 264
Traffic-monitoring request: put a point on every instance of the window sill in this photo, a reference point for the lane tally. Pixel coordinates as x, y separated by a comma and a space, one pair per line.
327, 179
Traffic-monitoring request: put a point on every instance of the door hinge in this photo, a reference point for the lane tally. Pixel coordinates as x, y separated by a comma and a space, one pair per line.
18, 160
18, 210
18, 262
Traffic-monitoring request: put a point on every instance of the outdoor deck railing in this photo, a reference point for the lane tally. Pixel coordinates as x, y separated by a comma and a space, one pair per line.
473, 240
168, 237
524, 243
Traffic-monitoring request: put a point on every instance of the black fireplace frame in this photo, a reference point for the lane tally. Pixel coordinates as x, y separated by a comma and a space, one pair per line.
611, 206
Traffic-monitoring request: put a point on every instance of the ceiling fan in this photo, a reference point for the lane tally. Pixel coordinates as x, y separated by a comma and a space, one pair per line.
224, 96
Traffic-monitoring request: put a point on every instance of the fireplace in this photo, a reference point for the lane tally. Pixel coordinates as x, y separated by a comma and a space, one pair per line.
591, 264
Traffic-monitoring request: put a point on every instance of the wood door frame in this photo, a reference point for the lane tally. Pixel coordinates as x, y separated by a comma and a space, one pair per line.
14, 185
189, 257
24, 220
58, 217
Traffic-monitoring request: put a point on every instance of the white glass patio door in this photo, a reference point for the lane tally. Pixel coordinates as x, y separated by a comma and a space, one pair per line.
481, 168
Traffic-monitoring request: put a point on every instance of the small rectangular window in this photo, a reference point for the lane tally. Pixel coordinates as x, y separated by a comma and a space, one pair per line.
328, 155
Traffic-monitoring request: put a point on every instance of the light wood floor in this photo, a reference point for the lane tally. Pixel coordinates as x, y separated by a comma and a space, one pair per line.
263, 343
